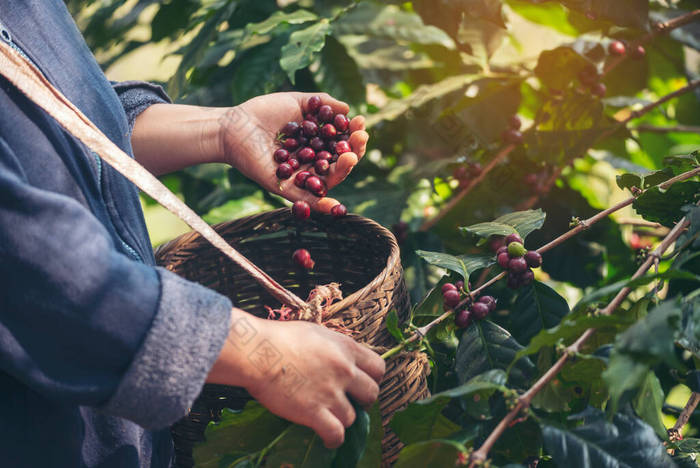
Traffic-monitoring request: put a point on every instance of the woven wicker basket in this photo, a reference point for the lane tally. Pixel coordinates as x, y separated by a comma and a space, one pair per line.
356, 252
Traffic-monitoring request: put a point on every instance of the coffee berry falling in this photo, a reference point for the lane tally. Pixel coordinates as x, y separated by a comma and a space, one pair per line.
517, 261
317, 142
452, 296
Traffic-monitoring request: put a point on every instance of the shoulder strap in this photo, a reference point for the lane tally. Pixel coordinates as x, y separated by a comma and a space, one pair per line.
30, 81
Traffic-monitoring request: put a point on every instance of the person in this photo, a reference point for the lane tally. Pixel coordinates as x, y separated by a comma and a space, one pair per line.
100, 349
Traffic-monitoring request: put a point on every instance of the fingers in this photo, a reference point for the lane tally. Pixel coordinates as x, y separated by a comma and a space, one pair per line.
357, 123
339, 107
341, 169
358, 142
343, 410
329, 428
370, 362
364, 389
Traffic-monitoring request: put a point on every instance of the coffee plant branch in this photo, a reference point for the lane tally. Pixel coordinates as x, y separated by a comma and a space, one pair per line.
500, 156
479, 456
675, 432
580, 227
671, 129
657, 30
530, 202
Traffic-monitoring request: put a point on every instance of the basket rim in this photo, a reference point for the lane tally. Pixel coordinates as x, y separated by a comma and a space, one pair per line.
393, 258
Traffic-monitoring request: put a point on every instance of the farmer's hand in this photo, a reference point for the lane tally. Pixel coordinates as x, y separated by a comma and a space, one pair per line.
300, 371
249, 140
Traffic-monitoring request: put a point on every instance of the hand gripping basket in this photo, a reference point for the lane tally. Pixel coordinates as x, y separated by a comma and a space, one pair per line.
354, 251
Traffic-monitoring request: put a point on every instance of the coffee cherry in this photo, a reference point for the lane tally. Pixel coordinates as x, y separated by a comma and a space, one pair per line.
517, 265
638, 52
310, 128
302, 258
331, 146
489, 301
306, 155
516, 249
448, 287
313, 104
323, 155
300, 178
294, 162
527, 278
599, 89
513, 281
316, 186
531, 179
459, 285
475, 169
588, 76
311, 118
325, 113
512, 136
343, 137
503, 260
284, 171
342, 147
451, 297
290, 144
479, 310
515, 123
495, 243
291, 129
301, 209
317, 144
303, 141
339, 211
328, 131
510, 238
281, 155
341, 122
322, 166
533, 259
501, 249
463, 318
617, 48
460, 173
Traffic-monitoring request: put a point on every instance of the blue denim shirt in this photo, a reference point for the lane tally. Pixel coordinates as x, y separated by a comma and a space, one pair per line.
99, 350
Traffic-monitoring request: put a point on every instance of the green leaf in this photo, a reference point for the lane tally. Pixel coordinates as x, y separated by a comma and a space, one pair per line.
278, 18
558, 67
356, 437
464, 265
257, 71
372, 457
197, 47
631, 13
438, 453
338, 74
664, 206
392, 326
626, 442
553, 15
302, 47
648, 403
419, 422
388, 21
537, 307
238, 433
485, 346
521, 222
300, 448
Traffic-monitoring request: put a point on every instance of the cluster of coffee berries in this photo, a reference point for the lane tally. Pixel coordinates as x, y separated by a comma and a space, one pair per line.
590, 78
619, 48
518, 261
452, 296
318, 142
302, 210
464, 172
302, 258
512, 134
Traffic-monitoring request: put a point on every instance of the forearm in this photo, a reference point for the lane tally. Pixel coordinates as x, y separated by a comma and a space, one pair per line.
170, 137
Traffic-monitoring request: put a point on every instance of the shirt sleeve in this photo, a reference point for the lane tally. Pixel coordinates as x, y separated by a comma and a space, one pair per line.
137, 96
84, 324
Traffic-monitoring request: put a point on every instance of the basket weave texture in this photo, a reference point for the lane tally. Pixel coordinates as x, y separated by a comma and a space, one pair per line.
354, 251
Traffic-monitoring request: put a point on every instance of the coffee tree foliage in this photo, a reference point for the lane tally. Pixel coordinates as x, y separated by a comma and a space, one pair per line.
439, 81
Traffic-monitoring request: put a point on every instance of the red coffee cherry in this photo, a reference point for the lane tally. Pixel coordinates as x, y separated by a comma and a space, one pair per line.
290, 144
294, 162
300, 178
301, 210
617, 48
325, 113
342, 147
313, 104
306, 155
317, 144
533, 259
517, 265
463, 318
291, 129
479, 310
281, 155
513, 238
451, 297
341, 122
322, 166
328, 131
448, 287
323, 155
310, 128
339, 211
302, 258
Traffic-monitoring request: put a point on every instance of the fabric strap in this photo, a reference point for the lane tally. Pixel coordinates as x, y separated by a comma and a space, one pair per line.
30, 81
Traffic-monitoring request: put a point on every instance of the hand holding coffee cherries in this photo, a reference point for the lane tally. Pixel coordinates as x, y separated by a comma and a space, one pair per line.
296, 145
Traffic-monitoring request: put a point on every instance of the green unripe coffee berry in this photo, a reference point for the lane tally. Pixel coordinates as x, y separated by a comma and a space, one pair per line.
516, 249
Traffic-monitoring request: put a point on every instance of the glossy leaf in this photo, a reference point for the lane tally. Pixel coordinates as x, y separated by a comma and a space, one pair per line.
300, 448
648, 403
464, 265
303, 46
521, 222
356, 438
429, 453
631, 13
624, 442
536, 308
558, 67
485, 346
665, 206
372, 456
